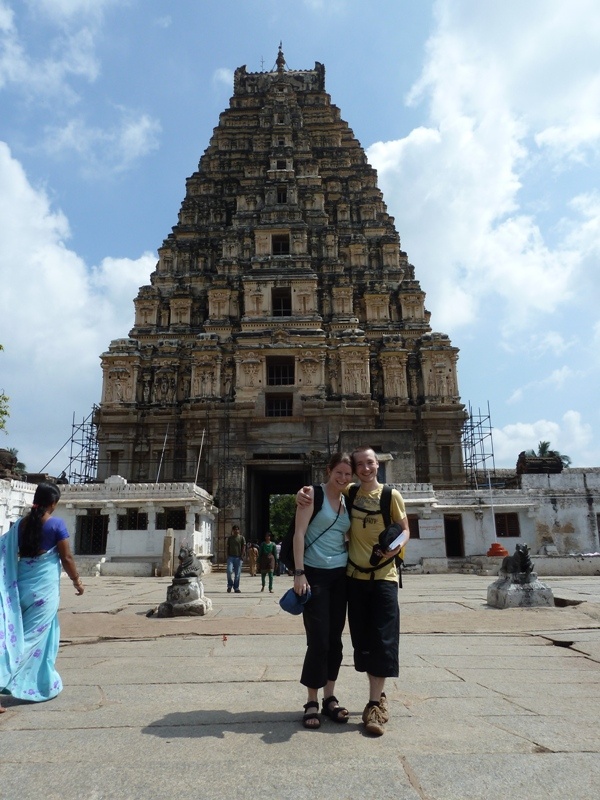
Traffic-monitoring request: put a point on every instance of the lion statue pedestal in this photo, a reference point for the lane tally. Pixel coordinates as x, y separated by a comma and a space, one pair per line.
185, 595
518, 585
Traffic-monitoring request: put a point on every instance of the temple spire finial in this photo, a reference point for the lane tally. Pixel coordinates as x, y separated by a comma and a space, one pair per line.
280, 59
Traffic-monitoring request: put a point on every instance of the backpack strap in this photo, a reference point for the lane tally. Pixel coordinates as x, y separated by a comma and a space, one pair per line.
385, 509
385, 503
352, 491
318, 495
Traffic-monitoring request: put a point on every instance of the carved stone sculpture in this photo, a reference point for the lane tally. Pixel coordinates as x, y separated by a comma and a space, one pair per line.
185, 595
518, 585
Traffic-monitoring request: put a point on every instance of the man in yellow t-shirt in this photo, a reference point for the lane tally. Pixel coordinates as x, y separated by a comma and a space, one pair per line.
373, 611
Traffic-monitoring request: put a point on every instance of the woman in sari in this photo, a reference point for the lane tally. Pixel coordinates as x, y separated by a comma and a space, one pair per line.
31, 556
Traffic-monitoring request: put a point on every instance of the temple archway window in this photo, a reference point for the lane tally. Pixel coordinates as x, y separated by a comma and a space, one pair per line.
280, 371
282, 194
281, 299
278, 405
507, 525
171, 518
281, 163
413, 526
113, 462
132, 520
280, 243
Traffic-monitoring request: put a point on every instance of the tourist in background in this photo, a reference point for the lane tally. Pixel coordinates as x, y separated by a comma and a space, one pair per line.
236, 552
252, 551
31, 556
320, 557
266, 561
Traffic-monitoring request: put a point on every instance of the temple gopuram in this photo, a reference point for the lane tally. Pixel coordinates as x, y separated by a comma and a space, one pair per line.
283, 321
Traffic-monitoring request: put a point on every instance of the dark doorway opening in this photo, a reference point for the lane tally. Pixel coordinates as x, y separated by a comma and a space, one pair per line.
266, 480
453, 533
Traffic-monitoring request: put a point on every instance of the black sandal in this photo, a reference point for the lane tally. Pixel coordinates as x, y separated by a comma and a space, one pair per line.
312, 716
338, 713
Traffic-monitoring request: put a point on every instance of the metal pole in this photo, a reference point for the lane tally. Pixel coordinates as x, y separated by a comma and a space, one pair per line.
492, 506
162, 455
199, 457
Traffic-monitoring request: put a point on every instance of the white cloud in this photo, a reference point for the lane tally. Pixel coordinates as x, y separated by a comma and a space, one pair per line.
552, 342
557, 379
571, 141
325, 6
69, 10
58, 316
463, 221
68, 53
223, 77
568, 436
164, 22
104, 151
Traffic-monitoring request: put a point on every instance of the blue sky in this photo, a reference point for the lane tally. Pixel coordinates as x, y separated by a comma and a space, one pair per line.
482, 119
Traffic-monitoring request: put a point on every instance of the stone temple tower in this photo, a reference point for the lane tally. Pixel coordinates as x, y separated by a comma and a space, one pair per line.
282, 322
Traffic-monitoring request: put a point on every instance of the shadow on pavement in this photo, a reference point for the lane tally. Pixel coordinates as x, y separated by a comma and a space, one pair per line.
273, 727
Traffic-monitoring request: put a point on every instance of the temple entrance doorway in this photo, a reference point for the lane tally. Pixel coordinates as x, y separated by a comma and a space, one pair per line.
453, 533
263, 481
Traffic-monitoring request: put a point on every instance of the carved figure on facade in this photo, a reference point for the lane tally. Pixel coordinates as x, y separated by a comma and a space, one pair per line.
378, 308
305, 301
146, 385
413, 377
119, 388
218, 303
165, 388
179, 313
355, 376
310, 366
185, 385
342, 300
204, 381
146, 314
333, 374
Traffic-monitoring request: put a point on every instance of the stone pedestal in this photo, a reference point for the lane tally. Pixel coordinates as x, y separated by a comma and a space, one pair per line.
519, 590
185, 598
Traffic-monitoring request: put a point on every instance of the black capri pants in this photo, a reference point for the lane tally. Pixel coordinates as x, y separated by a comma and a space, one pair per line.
374, 620
324, 619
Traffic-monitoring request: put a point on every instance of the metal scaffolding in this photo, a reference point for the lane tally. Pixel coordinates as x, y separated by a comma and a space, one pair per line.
478, 448
83, 458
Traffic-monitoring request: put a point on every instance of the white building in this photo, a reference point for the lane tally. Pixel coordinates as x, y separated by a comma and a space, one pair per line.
15, 497
116, 522
556, 515
553, 514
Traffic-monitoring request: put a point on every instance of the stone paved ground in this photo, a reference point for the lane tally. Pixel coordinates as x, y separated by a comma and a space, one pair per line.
488, 702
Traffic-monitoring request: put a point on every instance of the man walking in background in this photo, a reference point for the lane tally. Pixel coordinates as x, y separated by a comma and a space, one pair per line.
236, 552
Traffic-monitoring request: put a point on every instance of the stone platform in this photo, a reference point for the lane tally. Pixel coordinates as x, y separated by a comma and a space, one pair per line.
489, 702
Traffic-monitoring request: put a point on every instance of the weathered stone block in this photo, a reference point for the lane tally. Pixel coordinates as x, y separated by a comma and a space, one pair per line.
522, 590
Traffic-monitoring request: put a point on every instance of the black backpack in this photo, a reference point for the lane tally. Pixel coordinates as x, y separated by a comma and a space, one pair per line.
385, 509
286, 554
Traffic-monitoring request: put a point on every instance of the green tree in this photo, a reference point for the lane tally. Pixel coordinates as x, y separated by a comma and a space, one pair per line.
4, 412
544, 450
282, 508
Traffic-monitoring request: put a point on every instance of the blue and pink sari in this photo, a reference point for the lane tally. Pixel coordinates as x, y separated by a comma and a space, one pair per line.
29, 630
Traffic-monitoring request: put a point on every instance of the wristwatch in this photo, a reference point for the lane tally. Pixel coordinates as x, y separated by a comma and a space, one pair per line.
298, 572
